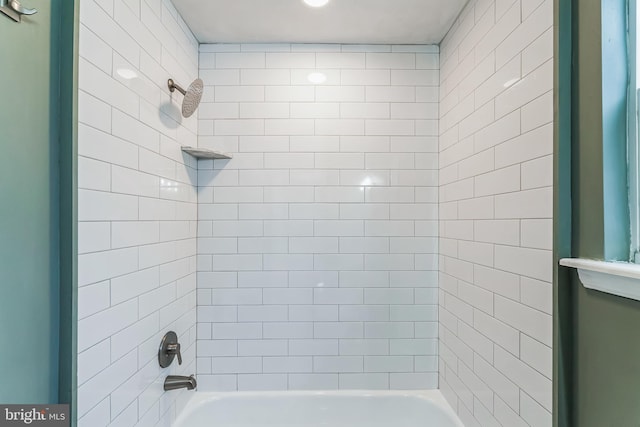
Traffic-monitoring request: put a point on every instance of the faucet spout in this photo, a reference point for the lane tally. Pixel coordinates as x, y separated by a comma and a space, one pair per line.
176, 382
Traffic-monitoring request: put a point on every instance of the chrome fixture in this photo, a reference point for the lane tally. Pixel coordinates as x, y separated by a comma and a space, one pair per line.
169, 349
176, 382
192, 95
14, 9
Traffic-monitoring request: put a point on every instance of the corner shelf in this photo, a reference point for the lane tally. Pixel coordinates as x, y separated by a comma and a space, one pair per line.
203, 153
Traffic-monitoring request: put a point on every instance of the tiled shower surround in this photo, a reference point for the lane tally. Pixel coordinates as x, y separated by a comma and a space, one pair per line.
388, 228
496, 176
137, 210
317, 242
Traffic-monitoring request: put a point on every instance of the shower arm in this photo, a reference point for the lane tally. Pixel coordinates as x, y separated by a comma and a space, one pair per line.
173, 86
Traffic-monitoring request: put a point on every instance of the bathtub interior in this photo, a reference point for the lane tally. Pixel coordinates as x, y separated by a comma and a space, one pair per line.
316, 409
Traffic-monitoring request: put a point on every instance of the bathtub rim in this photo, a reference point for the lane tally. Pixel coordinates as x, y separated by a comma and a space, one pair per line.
200, 398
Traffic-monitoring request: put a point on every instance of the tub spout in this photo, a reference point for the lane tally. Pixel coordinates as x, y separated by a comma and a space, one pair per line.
176, 382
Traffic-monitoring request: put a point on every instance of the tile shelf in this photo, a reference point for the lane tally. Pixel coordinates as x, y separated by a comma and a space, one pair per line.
205, 154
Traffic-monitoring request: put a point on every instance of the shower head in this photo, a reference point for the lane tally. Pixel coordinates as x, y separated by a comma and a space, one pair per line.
192, 96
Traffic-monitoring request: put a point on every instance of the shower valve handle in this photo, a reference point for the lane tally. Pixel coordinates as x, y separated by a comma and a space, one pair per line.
169, 349
175, 350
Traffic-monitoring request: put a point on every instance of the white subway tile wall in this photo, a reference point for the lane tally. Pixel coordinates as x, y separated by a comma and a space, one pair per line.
137, 211
317, 242
496, 137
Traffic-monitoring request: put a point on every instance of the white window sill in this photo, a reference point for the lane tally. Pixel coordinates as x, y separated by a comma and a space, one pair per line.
617, 278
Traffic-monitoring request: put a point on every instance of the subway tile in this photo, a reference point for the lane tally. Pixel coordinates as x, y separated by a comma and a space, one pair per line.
313, 347
318, 110
262, 279
288, 228
339, 161
288, 330
287, 262
313, 381
96, 328
94, 174
251, 110
290, 94
217, 348
364, 245
240, 60
313, 245
536, 355
262, 348
495, 128
289, 161
364, 279
413, 381
335, 330
332, 220
300, 77
289, 127
364, 313
97, 206
91, 392
361, 110
337, 296
262, 382
336, 194
301, 211
262, 144
531, 381
288, 194
314, 177
536, 294
236, 331
236, 365
341, 60
217, 314
416, 313
267, 211
364, 347
414, 77
364, 381
391, 60
93, 299
530, 321
366, 77
388, 364
293, 364
413, 347
340, 94
390, 94
135, 162
290, 60
286, 296
313, 313
315, 144
259, 77
390, 127
534, 413
94, 237
337, 364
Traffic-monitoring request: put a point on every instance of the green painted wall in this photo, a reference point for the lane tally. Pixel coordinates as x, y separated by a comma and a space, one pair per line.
596, 355
36, 135
606, 390
562, 321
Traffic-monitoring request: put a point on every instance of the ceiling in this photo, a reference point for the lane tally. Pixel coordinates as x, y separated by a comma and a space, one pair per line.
341, 21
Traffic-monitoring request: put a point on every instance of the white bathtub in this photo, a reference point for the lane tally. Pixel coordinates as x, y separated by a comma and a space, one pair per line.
315, 409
